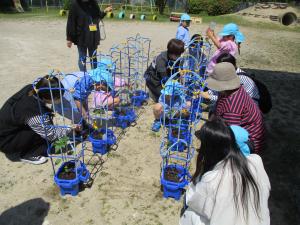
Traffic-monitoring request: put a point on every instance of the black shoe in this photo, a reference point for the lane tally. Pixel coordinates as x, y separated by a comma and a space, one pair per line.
36, 160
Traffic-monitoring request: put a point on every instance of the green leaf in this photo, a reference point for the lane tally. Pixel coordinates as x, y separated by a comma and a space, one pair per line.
57, 161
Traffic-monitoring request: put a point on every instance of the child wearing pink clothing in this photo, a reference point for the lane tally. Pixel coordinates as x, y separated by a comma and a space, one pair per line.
225, 47
104, 97
229, 43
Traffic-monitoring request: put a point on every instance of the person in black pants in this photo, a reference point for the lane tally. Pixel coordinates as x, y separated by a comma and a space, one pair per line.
160, 69
26, 121
83, 28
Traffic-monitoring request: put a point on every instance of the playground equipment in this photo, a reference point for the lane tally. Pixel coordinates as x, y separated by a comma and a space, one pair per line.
280, 12
136, 9
67, 151
182, 112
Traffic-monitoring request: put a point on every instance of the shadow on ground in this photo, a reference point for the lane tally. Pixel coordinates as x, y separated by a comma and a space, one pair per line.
31, 212
282, 158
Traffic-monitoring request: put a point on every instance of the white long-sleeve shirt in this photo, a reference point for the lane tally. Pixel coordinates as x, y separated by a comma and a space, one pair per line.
43, 126
210, 201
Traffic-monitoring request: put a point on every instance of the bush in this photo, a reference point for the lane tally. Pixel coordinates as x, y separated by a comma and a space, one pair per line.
67, 4
212, 7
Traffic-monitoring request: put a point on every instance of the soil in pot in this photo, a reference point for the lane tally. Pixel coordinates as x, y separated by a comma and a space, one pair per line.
68, 172
175, 132
171, 174
121, 112
184, 114
97, 135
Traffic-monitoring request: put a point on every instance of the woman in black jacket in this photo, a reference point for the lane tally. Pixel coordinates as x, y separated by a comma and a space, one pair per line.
26, 121
83, 28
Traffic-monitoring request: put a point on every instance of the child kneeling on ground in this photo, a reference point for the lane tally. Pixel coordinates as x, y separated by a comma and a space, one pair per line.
171, 97
159, 71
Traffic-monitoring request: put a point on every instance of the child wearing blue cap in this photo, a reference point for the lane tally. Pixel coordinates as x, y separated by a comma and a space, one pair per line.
242, 139
100, 80
171, 97
182, 30
230, 40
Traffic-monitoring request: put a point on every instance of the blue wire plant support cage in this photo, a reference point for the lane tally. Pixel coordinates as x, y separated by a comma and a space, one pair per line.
66, 152
101, 101
132, 59
182, 112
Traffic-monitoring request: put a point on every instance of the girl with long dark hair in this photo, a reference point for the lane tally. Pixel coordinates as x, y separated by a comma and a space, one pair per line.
227, 187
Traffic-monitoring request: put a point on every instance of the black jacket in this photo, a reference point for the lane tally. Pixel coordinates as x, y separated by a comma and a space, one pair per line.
81, 15
15, 111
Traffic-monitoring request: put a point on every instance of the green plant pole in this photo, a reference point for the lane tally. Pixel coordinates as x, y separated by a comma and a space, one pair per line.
46, 6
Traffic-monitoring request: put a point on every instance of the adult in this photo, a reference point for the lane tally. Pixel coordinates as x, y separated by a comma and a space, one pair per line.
21, 128
83, 28
227, 187
247, 83
234, 105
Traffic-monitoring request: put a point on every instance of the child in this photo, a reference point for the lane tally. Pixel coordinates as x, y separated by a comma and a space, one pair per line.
99, 79
182, 30
103, 96
26, 121
159, 71
195, 50
171, 97
230, 40
227, 187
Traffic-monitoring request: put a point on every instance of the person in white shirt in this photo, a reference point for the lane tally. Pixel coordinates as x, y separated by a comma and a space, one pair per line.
227, 187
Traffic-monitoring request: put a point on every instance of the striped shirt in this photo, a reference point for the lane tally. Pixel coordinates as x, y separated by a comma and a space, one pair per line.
43, 126
249, 85
239, 109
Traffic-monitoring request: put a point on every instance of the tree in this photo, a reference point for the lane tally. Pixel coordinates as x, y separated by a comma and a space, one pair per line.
161, 4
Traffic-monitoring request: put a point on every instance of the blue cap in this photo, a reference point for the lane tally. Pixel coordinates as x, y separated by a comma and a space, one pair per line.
242, 137
172, 87
232, 29
185, 17
103, 72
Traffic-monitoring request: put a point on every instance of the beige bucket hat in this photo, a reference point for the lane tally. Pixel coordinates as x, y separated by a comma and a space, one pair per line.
223, 78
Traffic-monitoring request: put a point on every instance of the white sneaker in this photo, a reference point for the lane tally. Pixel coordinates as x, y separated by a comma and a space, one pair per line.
36, 160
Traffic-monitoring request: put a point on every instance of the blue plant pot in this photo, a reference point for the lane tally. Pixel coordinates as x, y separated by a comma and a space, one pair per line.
71, 186
182, 140
124, 121
139, 97
174, 189
102, 146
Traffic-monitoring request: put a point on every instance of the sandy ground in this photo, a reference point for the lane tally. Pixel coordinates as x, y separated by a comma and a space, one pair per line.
126, 189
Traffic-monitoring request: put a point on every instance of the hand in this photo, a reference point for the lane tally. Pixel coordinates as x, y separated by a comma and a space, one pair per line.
205, 95
209, 33
69, 44
108, 9
77, 128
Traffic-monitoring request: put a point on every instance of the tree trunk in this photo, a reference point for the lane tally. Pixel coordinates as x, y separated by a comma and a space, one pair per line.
18, 6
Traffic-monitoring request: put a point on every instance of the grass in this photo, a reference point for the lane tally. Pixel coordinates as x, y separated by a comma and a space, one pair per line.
230, 18
53, 13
